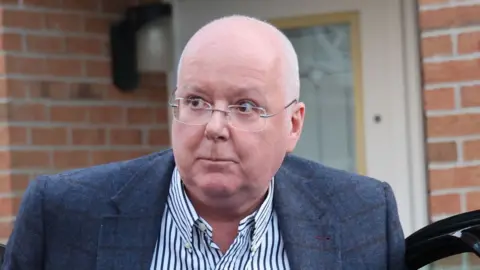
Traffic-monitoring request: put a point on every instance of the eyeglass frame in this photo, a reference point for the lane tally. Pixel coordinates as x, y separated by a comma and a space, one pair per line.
227, 112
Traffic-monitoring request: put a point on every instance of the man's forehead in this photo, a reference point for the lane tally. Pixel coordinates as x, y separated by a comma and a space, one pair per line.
233, 88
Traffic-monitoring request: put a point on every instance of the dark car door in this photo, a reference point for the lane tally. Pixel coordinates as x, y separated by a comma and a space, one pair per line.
451, 243
2, 252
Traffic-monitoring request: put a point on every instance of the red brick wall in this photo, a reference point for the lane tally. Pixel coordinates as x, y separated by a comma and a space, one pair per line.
451, 65
58, 109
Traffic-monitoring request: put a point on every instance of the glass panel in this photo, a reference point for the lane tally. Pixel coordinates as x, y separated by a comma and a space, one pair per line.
327, 89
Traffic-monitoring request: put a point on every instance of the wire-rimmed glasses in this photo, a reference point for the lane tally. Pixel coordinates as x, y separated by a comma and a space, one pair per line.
197, 112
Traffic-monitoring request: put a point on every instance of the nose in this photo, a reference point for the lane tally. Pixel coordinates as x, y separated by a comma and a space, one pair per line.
217, 128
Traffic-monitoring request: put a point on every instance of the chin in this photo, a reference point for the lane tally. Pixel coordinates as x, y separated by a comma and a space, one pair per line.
217, 185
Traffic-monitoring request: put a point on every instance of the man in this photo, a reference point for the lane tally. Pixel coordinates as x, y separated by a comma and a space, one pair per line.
228, 196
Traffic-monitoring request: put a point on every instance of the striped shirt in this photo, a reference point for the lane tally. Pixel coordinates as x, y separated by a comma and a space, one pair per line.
185, 240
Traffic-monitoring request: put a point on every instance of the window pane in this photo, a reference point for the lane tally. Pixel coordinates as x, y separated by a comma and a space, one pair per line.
328, 90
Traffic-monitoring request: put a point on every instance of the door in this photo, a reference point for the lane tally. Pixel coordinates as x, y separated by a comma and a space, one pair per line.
329, 55
352, 61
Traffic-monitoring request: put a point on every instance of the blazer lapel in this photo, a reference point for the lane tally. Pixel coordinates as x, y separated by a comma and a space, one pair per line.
127, 238
307, 226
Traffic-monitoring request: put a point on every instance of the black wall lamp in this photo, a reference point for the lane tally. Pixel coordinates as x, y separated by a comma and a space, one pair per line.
140, 40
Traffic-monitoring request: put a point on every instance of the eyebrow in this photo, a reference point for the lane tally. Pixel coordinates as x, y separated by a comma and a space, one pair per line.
237, 92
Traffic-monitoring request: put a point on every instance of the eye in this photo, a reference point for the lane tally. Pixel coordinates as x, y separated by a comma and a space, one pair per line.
196, 103
246, 107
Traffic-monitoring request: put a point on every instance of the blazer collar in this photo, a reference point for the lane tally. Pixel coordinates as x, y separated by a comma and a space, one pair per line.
307, 223
146, 191
128, 235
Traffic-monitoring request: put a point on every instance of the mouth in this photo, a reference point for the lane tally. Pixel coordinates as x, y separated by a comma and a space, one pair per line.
217, 160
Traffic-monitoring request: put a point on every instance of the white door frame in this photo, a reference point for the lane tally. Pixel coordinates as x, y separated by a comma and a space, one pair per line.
406, 170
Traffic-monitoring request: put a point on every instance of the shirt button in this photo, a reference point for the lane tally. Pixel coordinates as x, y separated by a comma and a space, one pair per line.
202, 227
188, 245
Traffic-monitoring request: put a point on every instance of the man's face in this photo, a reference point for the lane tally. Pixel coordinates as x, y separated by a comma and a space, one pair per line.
217, 160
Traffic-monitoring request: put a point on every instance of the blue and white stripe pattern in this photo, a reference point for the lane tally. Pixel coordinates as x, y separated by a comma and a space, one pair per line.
185, 240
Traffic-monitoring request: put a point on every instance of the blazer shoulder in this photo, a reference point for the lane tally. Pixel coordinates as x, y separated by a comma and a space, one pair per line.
338, 185
93, 185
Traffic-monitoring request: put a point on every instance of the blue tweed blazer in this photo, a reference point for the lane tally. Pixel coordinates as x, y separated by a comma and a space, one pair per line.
108, 217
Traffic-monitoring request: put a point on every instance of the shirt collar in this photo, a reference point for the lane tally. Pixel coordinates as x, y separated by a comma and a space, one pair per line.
185, 216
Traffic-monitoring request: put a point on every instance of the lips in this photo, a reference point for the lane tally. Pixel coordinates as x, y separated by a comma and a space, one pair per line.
217, 159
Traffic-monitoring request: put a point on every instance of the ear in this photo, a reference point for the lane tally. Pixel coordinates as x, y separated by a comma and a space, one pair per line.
296, 126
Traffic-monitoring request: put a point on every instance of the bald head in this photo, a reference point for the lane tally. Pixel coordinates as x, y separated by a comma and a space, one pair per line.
253, 37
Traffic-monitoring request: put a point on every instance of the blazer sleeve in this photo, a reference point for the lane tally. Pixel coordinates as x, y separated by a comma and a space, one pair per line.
25, 247
395, 236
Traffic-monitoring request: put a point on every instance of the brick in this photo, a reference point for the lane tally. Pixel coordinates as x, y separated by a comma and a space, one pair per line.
25, 65
442, 152
115, 7
453, 125
97, 25
140, 115
11, 42
3, 65
14, 88
85, 46
88, 91
17, 135
45, 44
84, 5
74, 114
13, 182
141, 94
159, 137
9, 206
64, 67
4, 135
470, 96
43, 3
49, 90
125, 137
23, 112
49, 136
471, 150
30, 159
22, 19
161, 115
469, 42
450, 17
6, 228
88, 136
70, 159
445, 204
458, 177
98, 68
439, 99
437, 46
473, 201
13, 135
5, 160
151, 81
451, 71
64, 22
106, 115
